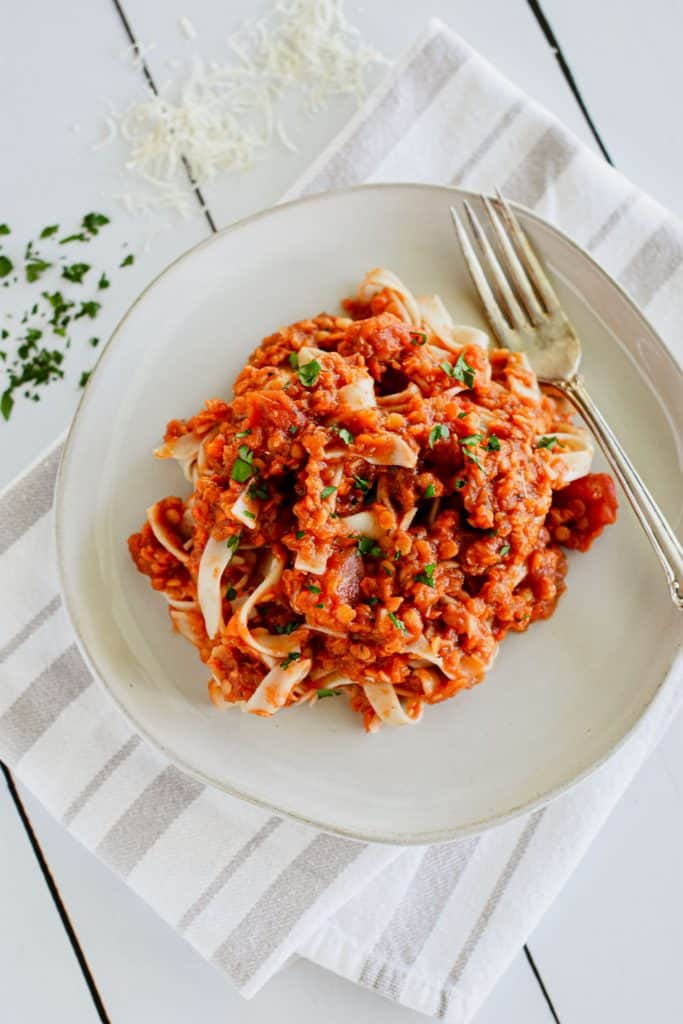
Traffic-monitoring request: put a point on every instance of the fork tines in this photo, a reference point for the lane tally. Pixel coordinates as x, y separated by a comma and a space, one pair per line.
524, 293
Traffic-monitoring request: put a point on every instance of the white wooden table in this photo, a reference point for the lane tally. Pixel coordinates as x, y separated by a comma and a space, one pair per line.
76, 944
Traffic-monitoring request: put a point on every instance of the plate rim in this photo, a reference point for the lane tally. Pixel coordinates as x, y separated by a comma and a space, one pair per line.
665, 683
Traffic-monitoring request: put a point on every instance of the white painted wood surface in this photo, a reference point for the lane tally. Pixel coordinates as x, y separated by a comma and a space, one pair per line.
608, 949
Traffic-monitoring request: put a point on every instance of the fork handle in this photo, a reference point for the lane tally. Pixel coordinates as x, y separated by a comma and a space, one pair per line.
668, 548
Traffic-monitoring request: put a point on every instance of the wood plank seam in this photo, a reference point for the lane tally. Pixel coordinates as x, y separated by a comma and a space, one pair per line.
153, 86
56, 896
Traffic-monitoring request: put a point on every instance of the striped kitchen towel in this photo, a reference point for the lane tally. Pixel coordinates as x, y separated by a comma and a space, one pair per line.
432, 928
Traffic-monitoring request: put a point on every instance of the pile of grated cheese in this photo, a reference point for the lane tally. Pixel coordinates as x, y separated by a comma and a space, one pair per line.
225, 117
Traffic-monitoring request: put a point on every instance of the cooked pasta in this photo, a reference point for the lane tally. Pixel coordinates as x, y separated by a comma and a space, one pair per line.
383, 499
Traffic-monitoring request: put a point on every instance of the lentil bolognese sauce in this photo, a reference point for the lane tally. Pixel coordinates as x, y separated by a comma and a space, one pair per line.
380, 503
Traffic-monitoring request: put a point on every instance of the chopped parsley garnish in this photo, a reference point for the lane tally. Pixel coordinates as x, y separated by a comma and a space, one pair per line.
243, 433
35, 268
397, 622
292, 656
387, 569
309, 373
429, 491
473, 458
233, 542
103, 282
427, 575
242, 467
397, 555
90, 309
493, 444
460, 484
50, 230
471, 440
5, 229
546, 442
327, 491
463, 372
230, 594
85, 377
314, 588
249, 515
371, 601
80, 237
33, 334
260, 491
320, 605
294, 360
367, 546
329, 693
300, 534
129, 261
462, 415
6, 404
505, 550
346, 435
76, 272
418, 338
6, 266
288, 627
361, 484
92, 222
293, 429
440, 432
94, 342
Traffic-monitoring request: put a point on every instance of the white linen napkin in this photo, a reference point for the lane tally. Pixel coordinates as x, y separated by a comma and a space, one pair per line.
432, 928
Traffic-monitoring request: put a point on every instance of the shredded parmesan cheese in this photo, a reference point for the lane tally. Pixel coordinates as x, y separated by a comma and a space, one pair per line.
223, 116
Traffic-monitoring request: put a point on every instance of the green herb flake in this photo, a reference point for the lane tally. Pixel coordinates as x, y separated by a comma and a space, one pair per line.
259, 492
249, 515
242, 468
460, 484
92, 222
505, 550
292, 656
6, 266
35, 269
427, 575
546, 442
462, 415
387, 570
471, 440
233, 542
314, 588
418, 338
50, 230
329, 693
230, 594
371, 601
327, 491
309, 373
493, 444
397, 622
300, 534
440, 432
287, 628
361, 484
463, 372
367, 546
429, 491
103, 282
6, 404
90, 309
94, 342
128, 262
76, 272
5, 230
293, 429
80, 237
345, 435
243, 433
85, 377
294, 360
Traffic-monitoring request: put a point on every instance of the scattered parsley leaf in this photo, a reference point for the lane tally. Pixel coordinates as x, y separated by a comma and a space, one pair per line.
242, 468
288, 627
292, 656
299, 534
418, 338
346, 435
397, 622
329, 693
327, 491
94, 342
35, 268
103, 282
5, 230
429, 491
92, 222
471, 440
438, 433
427, 575
493, 444
129, 261
76, 272
249, 515
259, 492
90, 309
367, 546
33, 334
294, 360
460, 484
546, 442
51, 229
293, 429
371, 601
462, 415
6, 404
6, 267
243, 433
463, 372
309, 373
361, 484
505, 550
85, 377
314, 588
80, 237
233, 542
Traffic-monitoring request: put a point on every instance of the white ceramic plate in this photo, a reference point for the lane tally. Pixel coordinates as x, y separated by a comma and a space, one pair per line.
561, 696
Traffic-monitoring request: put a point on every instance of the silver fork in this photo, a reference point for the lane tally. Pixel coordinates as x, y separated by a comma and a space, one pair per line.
526, 316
